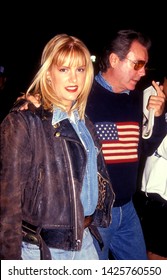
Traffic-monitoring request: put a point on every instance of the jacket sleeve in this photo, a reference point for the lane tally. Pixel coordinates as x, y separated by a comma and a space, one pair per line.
15, 152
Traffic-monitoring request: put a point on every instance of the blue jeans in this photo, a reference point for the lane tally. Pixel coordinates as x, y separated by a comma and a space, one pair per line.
87, 252
124, 237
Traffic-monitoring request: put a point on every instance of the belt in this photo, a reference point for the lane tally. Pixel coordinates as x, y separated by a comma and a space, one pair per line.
31, 235
87, 221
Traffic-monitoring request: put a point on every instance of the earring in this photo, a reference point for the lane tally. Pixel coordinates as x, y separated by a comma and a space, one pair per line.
49, 82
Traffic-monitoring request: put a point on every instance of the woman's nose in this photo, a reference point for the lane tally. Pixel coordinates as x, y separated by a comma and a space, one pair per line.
73, 77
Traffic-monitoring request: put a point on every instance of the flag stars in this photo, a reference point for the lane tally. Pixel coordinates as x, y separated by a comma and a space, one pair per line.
107, 131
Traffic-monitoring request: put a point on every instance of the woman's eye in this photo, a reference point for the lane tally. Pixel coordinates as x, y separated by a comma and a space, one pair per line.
63, 70
81, 69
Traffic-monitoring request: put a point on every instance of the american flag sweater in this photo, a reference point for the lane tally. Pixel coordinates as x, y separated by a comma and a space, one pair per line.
118, 122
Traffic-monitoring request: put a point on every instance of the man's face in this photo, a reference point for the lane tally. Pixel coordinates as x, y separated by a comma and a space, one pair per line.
128, 72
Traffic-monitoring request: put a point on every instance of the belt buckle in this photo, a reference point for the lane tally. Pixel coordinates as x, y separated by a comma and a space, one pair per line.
29, 235
30, 238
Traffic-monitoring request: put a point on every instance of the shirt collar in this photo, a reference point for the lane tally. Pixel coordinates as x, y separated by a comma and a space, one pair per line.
59, 115
99, 78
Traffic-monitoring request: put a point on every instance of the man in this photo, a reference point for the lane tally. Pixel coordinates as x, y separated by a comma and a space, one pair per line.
116, 108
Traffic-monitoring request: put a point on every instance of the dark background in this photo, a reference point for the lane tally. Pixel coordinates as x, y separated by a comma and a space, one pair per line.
27, 26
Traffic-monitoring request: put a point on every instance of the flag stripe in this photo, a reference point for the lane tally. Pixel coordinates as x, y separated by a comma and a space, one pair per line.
119, 141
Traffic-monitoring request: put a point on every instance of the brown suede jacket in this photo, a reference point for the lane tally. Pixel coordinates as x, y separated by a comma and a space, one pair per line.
41, 181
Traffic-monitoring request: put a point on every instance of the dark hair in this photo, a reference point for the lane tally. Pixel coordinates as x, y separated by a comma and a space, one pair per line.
120, 44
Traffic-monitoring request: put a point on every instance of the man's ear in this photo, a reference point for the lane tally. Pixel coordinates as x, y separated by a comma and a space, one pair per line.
114, 59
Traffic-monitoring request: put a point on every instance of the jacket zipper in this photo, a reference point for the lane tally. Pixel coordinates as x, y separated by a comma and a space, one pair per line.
74, 197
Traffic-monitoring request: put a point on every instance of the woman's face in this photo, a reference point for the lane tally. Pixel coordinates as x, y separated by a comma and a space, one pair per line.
67, 82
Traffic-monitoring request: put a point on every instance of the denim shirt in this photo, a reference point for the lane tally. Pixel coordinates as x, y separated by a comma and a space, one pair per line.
99, 78
89, 194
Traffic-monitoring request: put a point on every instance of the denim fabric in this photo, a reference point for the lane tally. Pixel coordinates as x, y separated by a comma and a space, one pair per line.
124, 236
89, 194
99, 78
87, 252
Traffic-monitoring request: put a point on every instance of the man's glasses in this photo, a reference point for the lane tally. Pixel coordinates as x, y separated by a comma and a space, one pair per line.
137, 64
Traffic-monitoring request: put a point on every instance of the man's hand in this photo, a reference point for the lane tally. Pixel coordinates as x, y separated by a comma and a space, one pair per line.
165, 86
157, 102
35, 100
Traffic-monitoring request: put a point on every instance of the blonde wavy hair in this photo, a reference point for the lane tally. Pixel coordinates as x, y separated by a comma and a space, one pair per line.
59, 49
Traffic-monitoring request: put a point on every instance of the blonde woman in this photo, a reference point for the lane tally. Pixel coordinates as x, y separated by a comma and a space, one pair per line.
54, 184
